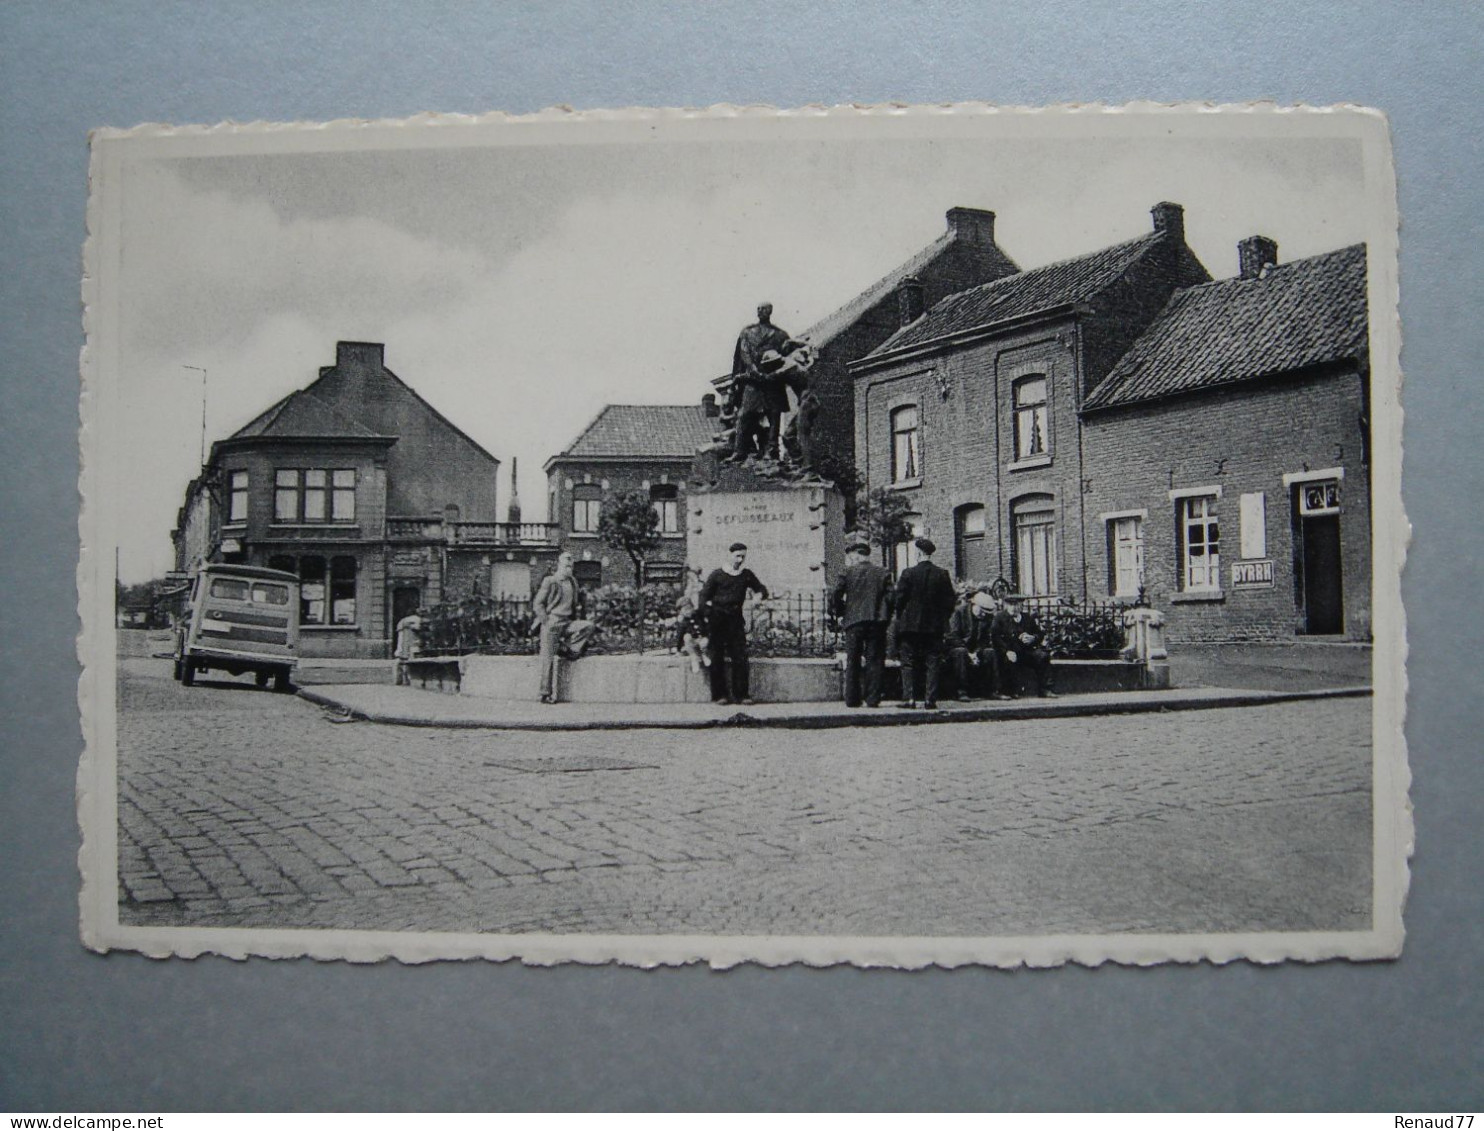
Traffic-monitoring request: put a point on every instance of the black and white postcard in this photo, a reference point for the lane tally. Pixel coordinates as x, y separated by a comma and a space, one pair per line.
881, 535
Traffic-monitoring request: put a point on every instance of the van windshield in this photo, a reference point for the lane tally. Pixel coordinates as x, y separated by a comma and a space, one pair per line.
270, 594
229, 587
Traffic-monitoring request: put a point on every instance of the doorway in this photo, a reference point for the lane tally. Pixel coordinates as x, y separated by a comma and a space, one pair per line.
405, 602
1317, 566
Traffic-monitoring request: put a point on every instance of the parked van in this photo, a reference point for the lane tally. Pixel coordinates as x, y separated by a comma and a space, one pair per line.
241, 619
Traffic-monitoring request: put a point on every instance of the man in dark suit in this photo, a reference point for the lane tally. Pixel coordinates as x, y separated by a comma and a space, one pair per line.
925, 600
862, 599
1019, 642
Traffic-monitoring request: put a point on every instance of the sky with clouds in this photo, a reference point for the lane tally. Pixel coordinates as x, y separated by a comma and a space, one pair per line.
521, 288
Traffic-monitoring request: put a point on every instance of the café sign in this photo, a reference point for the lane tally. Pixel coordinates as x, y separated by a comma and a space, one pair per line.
1253, 574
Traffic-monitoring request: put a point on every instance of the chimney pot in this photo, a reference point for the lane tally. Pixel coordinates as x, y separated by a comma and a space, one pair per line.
910, 299
1254, 254
1169, 218
971, 225
709, 407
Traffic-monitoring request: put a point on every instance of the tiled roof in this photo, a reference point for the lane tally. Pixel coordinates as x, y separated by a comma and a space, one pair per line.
1027, 292
823, 331
1295, 315
301, 414
644, 431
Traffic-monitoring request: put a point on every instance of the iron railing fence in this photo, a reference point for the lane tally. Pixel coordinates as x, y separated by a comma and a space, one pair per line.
795, 624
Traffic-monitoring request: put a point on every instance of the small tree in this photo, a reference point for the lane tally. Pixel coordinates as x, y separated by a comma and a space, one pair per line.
881, 517
631, 524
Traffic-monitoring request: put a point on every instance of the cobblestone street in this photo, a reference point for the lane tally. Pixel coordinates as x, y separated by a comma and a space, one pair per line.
245, 808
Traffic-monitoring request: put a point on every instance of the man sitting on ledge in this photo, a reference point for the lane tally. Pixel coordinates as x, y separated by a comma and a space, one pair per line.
556, 606
1019, 643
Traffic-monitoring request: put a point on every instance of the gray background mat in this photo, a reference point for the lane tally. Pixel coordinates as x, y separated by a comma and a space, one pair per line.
126, 1033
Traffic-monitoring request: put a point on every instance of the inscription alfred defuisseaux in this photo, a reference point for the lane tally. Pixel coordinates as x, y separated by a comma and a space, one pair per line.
894, 536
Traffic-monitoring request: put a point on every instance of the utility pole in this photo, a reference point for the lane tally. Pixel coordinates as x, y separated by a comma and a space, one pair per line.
199, 369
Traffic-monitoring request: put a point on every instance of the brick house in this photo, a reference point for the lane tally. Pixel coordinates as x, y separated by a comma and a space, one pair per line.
365, 491
1226, 455
625, 448
971, 409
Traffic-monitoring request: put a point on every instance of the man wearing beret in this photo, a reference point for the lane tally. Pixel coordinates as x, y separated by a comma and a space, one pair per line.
721, 600
862, 599
1019, 643
968, 643
924, 601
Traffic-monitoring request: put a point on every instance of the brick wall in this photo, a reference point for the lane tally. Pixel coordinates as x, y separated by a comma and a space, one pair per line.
1243, 439
614, 478
968, 441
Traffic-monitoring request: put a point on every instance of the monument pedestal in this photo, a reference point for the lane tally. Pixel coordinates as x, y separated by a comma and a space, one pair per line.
794, 529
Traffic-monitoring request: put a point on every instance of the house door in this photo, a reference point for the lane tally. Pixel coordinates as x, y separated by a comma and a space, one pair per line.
405, 600
1324, 609
971, 555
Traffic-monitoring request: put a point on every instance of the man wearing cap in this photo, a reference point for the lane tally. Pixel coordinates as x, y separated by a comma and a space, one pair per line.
761, 396
1019, 642
924, 602
862, 599
721, 599
968, 642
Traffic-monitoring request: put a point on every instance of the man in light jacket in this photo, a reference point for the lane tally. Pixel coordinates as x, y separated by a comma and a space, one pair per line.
557, 608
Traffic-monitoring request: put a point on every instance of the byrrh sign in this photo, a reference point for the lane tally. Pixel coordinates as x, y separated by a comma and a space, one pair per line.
1253, 575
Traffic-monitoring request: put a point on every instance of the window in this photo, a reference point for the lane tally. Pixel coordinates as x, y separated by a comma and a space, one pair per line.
906, 445
312, 590
589, 575
587, 503
1035, 547
667, 505
314, 495
1200, 543
1031, 436
285, 496
343, 590
266, 594
971, 553
901, 552
284, 562
1125, 555
669, 572
229, 588
343, 500
237, 500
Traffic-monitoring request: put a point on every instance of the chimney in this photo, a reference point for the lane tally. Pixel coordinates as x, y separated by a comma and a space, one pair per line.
971, 225
1254, 254
512, 511
1169, 218
360, 355
910, 299
709, 406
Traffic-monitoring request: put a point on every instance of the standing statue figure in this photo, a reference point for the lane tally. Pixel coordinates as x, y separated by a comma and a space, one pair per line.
760, 395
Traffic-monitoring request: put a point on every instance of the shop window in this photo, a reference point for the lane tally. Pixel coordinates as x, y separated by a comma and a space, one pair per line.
343, 590
587, 504
1032, 437
906, 445
1200, 543
666, 498
237, 499
313, 594
284, 562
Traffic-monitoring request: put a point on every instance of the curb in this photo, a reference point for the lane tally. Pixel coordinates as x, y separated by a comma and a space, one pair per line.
839, 718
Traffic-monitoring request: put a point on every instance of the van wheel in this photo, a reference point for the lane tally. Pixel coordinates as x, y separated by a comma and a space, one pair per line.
188, 673
179, 669
281, 681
